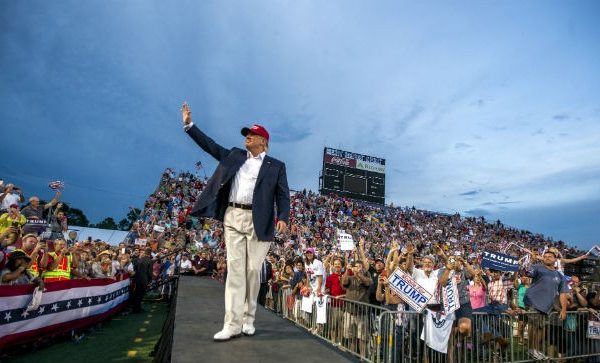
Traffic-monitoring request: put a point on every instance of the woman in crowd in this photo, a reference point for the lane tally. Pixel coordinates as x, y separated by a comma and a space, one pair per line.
477, 292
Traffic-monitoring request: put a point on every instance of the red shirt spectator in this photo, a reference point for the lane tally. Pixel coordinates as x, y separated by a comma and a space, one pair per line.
333, 283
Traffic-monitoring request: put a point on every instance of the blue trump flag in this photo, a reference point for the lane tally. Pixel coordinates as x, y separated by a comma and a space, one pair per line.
499, 261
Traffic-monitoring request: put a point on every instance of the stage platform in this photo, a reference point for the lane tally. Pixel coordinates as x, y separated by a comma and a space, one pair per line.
199, 315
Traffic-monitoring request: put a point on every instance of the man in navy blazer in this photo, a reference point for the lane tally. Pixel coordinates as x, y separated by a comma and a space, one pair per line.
242, 193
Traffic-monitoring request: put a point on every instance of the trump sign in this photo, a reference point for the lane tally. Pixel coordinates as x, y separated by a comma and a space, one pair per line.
403, 285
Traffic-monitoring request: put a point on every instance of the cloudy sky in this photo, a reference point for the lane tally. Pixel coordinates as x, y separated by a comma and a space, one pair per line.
479, 107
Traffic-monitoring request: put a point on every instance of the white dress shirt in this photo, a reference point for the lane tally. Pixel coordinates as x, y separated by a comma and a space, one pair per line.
428, 282
242, 188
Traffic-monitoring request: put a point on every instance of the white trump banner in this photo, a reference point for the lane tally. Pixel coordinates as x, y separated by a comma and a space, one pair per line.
409, 290
346, 242
450, 295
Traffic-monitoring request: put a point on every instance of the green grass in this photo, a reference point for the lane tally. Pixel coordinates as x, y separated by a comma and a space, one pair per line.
129, 338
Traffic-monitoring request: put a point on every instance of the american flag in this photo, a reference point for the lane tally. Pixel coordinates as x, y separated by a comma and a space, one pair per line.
57, 185
64, 306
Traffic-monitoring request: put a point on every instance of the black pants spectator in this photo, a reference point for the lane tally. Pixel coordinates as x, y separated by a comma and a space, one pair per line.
262, 293
136, 298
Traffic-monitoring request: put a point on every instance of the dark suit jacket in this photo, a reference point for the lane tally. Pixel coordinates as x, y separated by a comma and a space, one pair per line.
271, 187
143, 271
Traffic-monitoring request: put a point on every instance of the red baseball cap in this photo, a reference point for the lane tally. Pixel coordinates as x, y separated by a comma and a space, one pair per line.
256, 130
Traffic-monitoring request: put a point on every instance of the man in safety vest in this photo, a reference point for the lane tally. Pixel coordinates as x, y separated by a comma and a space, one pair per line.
34, 248
60, 263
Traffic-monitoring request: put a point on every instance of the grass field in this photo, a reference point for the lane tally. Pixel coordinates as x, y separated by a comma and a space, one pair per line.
125, 338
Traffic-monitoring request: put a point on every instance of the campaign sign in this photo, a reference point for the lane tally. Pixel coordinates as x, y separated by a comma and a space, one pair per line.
346, 241
409, 290
593, 329
159, 229
450, 294
499, 261
36, 226
140, 241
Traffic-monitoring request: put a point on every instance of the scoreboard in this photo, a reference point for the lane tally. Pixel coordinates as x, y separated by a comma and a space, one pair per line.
353, 175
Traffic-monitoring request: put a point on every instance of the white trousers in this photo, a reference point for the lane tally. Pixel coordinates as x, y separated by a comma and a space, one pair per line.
245, 255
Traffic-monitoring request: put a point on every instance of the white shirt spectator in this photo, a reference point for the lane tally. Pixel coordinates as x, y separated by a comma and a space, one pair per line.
312, 271
186, 265
10, 199
428, 283
242, 188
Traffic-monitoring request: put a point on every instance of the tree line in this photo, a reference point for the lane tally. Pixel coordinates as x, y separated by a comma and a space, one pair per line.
76, 217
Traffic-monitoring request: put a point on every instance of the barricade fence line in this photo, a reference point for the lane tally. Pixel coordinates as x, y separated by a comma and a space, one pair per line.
382, 334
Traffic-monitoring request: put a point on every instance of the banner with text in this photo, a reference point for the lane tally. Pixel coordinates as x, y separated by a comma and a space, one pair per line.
346, 242
409, 290
499, 261
450, 295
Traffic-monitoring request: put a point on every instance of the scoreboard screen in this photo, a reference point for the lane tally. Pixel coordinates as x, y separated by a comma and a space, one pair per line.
353, 175
355, 184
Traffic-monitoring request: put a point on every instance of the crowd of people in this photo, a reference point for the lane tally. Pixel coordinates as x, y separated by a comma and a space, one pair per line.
433, 248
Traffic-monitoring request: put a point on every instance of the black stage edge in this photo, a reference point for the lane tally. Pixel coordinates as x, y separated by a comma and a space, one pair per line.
199, 315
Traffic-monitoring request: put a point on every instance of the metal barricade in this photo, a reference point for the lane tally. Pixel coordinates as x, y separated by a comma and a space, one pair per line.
524, 337
378, 334
351, 326
398, 337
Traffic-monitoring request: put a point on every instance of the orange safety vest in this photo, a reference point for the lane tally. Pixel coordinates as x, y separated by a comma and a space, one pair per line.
34, 269
62, 271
